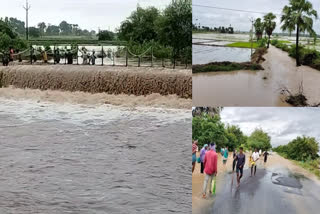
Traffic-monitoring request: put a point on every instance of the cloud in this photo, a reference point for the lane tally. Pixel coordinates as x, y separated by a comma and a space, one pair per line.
282, 124
91, 15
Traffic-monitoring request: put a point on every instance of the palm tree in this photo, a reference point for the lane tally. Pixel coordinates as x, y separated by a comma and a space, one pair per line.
269, 25
259, 28
298, 16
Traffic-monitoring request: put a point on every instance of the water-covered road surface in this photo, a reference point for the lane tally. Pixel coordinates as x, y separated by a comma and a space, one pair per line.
65, 158
272, 190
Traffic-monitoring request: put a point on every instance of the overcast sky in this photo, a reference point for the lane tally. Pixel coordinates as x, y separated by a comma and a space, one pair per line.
240, 20
89, 14
282, 124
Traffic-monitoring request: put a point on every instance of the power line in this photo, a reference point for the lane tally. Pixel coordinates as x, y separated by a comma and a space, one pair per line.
230, 9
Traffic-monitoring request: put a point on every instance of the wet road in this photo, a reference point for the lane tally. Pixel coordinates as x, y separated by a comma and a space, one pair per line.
273, 190
63, 158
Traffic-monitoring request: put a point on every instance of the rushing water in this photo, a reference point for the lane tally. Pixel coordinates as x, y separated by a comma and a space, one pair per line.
202, 54
67, 158
257, 88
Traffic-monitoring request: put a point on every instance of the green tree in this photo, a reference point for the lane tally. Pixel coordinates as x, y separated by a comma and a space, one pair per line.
17, 25
298, 16
34, 32
42, 26
235, 137
106, 35
175, 26
66, 28
53, 30
259, 28
269, 25
301, 149
140, 26
259, 140
207, 129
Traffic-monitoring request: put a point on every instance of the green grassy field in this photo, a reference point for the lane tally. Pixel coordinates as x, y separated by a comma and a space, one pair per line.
243, 45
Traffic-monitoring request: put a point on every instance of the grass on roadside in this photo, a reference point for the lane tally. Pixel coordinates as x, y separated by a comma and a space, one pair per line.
311, 165
225, 66
243, 45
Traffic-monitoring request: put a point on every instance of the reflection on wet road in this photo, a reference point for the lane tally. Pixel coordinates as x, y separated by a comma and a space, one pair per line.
274, 190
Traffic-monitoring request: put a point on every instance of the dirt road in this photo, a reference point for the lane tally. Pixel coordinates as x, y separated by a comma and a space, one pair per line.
278, 187
261, 88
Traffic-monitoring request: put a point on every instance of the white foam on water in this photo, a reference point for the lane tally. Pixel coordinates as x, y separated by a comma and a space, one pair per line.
83, 115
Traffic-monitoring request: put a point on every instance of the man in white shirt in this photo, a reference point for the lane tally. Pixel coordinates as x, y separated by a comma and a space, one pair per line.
255, 157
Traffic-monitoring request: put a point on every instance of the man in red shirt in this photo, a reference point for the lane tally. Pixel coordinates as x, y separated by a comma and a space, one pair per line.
210, 169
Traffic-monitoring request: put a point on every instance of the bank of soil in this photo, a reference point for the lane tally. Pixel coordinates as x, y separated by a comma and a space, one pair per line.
95, 79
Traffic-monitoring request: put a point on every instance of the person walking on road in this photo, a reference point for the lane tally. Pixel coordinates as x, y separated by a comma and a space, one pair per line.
210, 170
234, 159
194, 156
202, 154
241, 160
255, 158
265, 154
225, 156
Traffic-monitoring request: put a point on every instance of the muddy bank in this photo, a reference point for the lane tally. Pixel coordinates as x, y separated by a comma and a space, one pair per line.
111, 80
78, 97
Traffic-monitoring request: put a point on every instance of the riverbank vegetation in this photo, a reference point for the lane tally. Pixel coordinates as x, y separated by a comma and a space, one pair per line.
243, 45
306, 56
304, 151
208, 128
298, 16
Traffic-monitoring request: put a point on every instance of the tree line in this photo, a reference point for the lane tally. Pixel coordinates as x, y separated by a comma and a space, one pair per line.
220, 29
208, 128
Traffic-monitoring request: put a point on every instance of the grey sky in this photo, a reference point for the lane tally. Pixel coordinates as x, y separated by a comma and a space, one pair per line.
282, 124
240, 20
89, 14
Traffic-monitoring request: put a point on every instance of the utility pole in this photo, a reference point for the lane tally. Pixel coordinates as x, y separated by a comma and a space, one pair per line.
27, 7
251, 33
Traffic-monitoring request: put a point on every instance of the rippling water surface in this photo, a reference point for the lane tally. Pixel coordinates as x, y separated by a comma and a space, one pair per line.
59, 158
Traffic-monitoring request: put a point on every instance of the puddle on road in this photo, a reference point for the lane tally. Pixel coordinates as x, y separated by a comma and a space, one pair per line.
284, 180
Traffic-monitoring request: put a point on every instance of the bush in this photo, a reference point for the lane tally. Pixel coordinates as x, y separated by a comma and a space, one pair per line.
300, 149
262, 43
274, 42
309, 56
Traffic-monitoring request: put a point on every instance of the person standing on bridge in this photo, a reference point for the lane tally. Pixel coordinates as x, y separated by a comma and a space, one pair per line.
255, 158
202, 154
210, 170
241, 160
93, 58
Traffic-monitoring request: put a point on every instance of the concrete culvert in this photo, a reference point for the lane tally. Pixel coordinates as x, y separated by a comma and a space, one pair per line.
95, 79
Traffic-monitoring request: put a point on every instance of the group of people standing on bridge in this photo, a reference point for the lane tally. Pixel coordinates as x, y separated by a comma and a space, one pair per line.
209, 162
88, 59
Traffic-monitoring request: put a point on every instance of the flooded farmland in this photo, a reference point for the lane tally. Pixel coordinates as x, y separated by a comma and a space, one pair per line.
76, 158
254, 88
202, 54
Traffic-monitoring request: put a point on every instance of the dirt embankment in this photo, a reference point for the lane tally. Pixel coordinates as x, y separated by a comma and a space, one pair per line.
94, 79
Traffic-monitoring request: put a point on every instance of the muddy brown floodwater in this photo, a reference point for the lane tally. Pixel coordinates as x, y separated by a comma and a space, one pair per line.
77, 158
257, 88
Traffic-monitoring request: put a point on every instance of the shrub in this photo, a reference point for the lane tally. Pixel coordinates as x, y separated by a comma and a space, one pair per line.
262, 43
309, 56
274, 42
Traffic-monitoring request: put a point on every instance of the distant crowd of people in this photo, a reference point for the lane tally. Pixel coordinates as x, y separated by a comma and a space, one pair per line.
88, 59
209, 162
